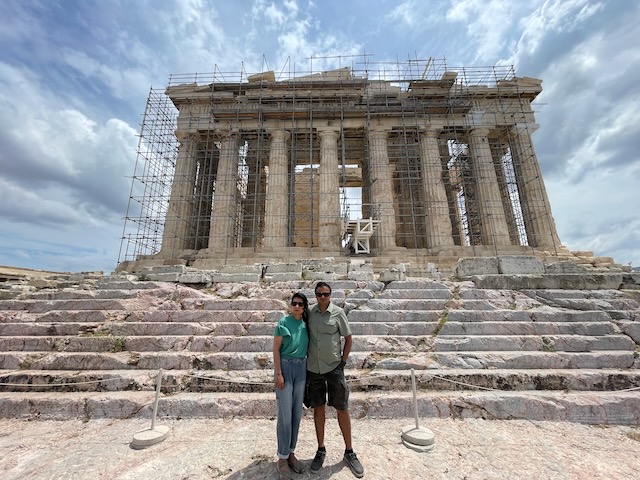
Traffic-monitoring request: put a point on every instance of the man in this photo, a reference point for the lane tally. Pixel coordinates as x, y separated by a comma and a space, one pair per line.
326, 359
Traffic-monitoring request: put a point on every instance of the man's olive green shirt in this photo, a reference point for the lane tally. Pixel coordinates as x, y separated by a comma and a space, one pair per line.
325, 332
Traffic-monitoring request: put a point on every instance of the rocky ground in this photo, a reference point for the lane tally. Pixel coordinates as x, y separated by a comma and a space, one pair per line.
244, 449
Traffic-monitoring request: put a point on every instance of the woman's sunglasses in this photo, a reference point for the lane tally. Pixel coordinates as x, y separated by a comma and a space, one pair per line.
297, 304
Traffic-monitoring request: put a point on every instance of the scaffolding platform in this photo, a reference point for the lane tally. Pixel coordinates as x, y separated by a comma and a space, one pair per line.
359, 232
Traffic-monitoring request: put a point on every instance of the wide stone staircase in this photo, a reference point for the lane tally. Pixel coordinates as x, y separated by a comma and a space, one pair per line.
97, 349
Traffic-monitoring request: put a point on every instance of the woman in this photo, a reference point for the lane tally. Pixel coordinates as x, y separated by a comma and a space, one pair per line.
290, 341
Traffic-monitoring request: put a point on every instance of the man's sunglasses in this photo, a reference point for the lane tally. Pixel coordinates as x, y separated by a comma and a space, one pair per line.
297, 304
323, 294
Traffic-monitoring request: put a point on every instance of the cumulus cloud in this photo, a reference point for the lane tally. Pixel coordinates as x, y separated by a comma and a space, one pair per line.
74, 78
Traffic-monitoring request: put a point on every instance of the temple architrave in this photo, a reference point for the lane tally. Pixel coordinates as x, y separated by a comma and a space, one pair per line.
420, 165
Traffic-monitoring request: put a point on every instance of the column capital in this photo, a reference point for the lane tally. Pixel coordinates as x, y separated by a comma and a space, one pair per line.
430, 130
279, 134
480, 131
184, 137
327, 132
225, 134
520, 128
379, 132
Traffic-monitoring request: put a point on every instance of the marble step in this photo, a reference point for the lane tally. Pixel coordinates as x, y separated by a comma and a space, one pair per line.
365, 314
262, 343
157, 316
187, 360
200, 303
545, 343
527, 328
360, 315
415, 294
128, 328
44, 295
584, 407
262, 327
201, 343
359, 380
406, 304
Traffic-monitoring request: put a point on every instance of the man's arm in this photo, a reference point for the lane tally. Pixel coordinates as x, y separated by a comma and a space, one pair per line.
347, 348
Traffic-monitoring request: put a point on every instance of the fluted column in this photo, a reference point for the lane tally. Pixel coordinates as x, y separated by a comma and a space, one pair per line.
493, 223
381, 190
180, 208
329, 226
277, 203
437, 221
534, 201
223, 210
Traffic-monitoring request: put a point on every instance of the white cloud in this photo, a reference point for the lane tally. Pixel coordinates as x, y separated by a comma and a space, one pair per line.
74, 77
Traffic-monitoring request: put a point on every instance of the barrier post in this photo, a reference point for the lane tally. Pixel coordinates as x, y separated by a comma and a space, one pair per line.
415, 437
155, 434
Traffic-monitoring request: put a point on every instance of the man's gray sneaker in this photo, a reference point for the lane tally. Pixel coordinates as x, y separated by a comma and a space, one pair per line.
318, 460
354, 464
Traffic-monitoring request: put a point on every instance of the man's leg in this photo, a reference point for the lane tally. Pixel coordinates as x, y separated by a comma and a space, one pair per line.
321, 453
319, 420
344, 420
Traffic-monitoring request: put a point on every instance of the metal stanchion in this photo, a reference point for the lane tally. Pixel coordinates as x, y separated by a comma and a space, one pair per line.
155, 434
414, 436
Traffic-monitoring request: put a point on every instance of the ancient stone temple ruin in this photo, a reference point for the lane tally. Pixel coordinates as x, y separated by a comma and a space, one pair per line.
414, 161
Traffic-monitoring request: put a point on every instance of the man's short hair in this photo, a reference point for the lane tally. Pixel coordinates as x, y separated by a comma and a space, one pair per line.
320, 285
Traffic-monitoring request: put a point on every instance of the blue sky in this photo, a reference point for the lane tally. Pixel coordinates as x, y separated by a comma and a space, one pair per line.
75, 76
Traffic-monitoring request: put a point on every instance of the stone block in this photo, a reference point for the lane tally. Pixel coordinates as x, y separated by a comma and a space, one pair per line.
564, 267
219, 277
325, 271
283, 277
162, 277
466, 267
283, 268
361, 272
164, 269
519, 265
195, 277
248, 269
392, 275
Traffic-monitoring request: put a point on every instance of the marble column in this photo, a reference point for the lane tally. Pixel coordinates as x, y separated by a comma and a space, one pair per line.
223, 210
535, 205
329, 192
254, 201
437, 220
180, 210
493, 223
381, 190
277, 202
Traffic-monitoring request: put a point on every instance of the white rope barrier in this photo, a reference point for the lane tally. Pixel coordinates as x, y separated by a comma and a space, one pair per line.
362, 379
58, 384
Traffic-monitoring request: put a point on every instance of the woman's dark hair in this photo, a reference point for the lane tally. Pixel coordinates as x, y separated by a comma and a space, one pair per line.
305, 313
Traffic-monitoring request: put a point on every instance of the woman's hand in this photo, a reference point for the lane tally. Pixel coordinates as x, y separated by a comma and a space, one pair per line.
279, 381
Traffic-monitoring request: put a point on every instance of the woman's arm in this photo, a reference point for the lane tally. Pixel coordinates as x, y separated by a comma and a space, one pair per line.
277, 364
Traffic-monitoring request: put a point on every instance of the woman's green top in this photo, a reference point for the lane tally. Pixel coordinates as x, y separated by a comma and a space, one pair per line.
295, 339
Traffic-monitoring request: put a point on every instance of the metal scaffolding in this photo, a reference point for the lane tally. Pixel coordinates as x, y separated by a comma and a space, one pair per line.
239, 155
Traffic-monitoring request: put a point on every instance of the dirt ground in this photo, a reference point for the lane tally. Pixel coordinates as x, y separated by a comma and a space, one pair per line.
245, 449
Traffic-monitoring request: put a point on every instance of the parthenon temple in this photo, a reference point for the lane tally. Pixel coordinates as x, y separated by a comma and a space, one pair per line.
407, 161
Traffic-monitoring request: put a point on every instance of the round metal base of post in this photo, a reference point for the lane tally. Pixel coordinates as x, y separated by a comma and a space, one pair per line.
418, 438
148, 437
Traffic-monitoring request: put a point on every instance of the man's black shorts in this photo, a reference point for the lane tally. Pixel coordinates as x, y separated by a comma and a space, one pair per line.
333, 383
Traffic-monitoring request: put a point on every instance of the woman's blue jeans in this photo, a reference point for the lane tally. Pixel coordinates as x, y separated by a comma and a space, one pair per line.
289, 400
